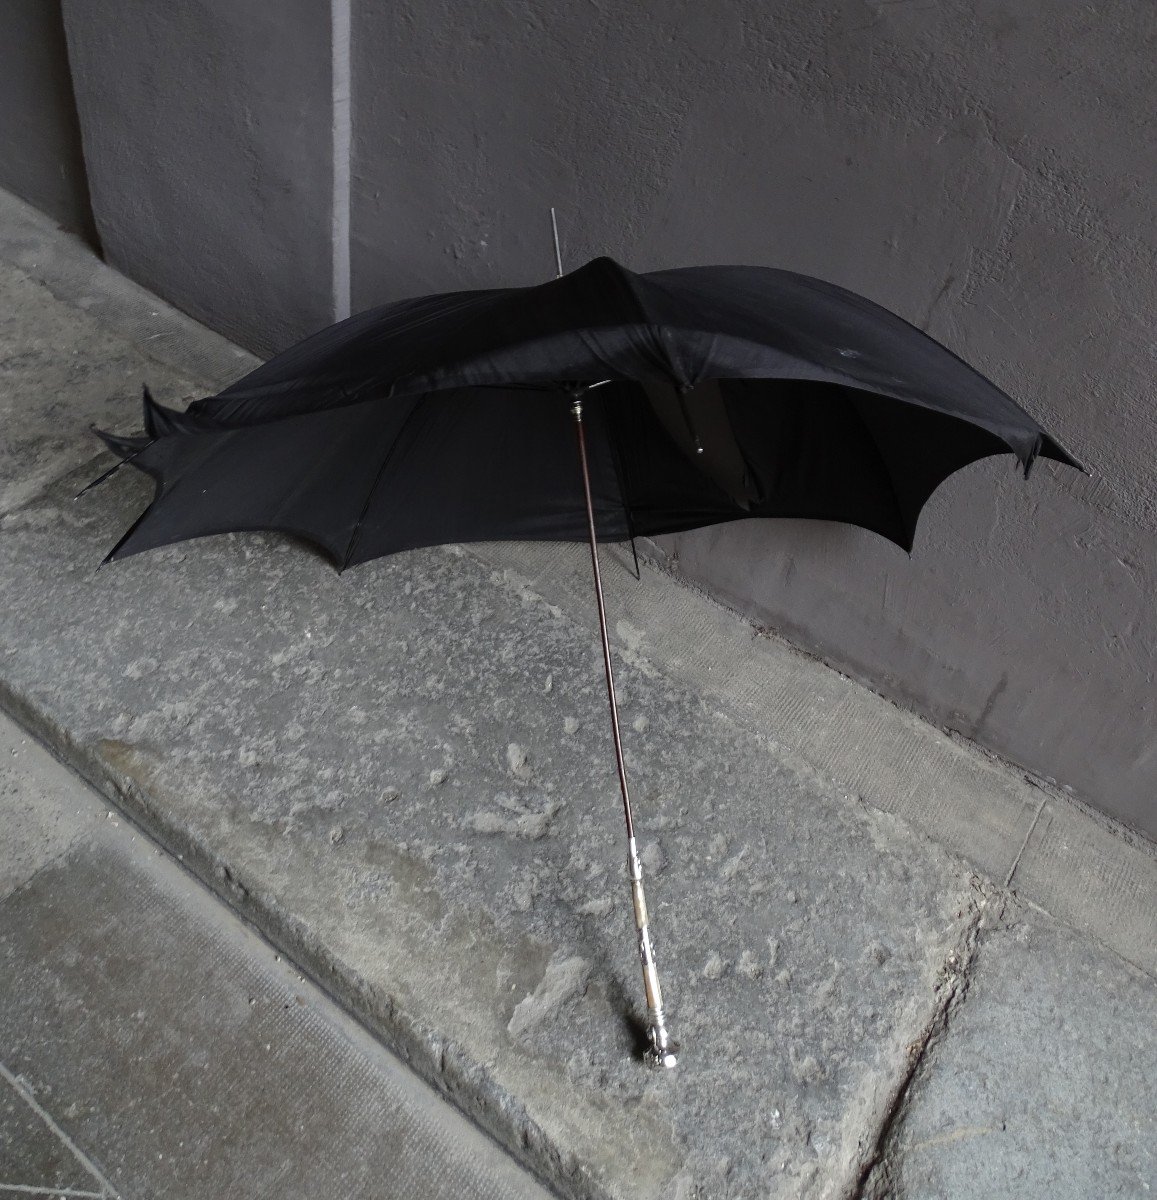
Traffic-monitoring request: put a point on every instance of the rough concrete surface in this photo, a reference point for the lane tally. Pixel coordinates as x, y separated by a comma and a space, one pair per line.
32, 1153
403, 775
64, 362
151, 1045
1055, 1049
38, 825
214, 120
1008, 826
243, 693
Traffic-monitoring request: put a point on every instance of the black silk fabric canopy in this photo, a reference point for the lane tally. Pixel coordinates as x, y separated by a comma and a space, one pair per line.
709, 394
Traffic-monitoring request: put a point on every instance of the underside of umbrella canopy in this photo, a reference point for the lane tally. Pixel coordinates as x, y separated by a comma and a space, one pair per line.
490, 464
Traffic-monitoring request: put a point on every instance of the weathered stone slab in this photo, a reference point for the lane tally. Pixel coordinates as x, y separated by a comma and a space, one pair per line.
60, 373
1044, 1086
152, 1045
404, 772
37, 821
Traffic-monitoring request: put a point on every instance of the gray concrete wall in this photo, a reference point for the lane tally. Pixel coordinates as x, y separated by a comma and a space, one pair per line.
984, 167
40, 156
207, 129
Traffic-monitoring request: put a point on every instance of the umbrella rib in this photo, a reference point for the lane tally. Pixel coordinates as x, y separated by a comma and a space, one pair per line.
909, 530
620, 478
357, 529
112, 471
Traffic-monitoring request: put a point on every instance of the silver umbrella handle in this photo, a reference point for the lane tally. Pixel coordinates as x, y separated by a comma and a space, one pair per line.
662, 1050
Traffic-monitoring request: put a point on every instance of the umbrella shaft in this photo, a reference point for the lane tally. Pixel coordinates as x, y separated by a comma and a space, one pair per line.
661, 1051
615, 731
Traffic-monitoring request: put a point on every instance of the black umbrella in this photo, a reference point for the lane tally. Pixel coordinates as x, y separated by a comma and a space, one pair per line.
698, 395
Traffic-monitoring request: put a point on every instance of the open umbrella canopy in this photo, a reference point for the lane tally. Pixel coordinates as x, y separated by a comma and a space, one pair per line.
725, 393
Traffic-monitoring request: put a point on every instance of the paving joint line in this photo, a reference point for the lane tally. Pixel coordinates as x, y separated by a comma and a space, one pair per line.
1024, 845
956, 971
107, 1192
25, 1189
48, 864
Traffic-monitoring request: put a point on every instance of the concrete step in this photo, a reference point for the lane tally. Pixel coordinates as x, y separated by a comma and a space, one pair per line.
151, 1044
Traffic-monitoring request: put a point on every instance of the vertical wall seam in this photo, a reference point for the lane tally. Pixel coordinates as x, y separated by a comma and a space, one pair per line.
340, 36
88, 229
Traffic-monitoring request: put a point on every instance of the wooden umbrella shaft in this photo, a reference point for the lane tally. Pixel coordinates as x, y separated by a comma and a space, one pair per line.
661, 1051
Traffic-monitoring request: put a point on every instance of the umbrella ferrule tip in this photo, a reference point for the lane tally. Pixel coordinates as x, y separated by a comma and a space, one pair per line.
661, 1060
663, 1051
